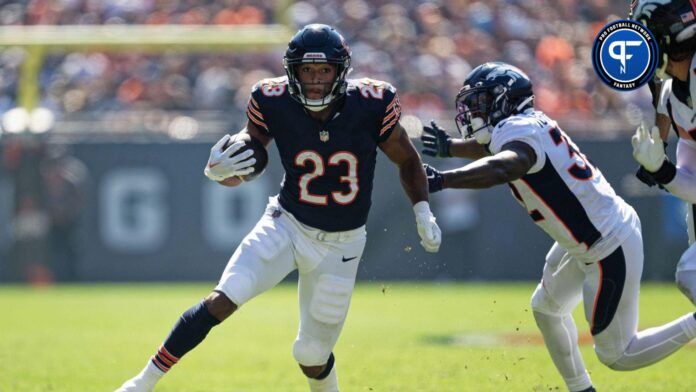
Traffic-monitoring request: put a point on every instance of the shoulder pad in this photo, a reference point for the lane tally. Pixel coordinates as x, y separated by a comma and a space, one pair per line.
520, 120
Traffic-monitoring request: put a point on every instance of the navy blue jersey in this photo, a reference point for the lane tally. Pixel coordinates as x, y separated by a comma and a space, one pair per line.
329, 167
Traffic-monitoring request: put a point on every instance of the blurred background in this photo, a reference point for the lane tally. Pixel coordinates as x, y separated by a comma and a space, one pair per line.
109, 108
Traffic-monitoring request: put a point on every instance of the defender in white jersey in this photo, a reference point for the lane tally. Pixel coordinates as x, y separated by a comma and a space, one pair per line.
598, 253
673, 22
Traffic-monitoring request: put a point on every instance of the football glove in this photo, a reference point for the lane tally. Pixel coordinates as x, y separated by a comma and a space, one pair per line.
227, 162
648, 148
436, 141
429, 232
434, 177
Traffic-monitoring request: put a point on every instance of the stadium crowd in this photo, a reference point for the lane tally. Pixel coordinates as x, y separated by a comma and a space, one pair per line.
425, 48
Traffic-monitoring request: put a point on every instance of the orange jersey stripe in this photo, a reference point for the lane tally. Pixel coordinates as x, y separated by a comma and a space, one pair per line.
256, 121
389, 116
256, 112
388, 126
253, 101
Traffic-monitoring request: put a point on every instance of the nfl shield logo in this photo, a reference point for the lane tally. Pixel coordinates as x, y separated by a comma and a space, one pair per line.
324, 136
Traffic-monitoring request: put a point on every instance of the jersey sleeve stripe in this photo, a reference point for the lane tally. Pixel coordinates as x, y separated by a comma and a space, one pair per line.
255, 112
256, 121
390, 115
388, 126
393, 109
253, 102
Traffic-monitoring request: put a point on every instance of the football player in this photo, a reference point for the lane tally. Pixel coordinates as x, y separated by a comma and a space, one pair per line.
327, 130
673, 23
597, 256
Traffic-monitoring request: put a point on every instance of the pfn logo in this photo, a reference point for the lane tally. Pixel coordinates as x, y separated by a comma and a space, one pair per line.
624, 55
621, 54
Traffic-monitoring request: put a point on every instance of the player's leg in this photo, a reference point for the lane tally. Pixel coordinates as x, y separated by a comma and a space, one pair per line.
686, 269
262, 260
611, 293
324, 295
553, 301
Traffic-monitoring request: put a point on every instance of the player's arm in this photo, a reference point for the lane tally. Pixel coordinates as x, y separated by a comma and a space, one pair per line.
438, 143
403, 154
257, 133
513, 161
399, 149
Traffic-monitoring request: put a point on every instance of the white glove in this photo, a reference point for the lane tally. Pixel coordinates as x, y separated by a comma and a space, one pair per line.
222, 165
648, 148
429, 232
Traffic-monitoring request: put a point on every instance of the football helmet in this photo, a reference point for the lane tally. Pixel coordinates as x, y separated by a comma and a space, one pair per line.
672, 22
317, 43
492, 92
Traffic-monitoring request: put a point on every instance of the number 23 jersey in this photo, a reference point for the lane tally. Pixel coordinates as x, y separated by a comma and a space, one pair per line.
563, 192
329, 168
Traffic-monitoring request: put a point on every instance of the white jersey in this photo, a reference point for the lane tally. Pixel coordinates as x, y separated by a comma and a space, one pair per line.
563, 193
678, 106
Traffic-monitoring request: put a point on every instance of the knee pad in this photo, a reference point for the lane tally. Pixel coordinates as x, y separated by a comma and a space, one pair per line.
543, 303
310, 352
331, 299
238, 285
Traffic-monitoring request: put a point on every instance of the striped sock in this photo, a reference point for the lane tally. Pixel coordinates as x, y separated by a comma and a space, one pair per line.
164, 360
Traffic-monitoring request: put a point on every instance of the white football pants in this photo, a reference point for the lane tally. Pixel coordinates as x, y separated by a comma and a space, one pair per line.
609, 290
327, 264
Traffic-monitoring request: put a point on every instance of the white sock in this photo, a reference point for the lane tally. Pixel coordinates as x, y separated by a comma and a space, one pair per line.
654, 344
150, 374
561, 338
328, 384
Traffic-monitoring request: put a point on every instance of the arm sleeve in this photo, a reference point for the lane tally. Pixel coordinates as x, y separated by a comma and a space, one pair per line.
522, 131
254, 112
684, 183
390, 115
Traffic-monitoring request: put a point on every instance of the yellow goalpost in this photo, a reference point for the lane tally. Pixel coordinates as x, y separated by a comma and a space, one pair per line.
39, 40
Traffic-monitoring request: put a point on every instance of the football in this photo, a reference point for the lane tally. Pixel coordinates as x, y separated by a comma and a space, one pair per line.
260, 154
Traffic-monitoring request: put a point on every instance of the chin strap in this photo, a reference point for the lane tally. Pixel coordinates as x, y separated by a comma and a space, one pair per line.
524, 103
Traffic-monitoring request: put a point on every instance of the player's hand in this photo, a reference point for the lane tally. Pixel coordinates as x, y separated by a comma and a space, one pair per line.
222, 165
648, 148
436, 141
434, 177
429, 232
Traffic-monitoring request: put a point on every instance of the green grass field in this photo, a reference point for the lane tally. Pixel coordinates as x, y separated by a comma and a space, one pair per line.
398, 337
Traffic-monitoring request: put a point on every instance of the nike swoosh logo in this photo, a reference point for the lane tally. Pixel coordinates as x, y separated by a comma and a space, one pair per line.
212, 165
348, 259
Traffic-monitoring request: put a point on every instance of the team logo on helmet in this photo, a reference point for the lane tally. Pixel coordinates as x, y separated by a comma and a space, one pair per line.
625, 55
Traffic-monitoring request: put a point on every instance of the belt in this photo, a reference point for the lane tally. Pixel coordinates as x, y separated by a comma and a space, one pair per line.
321, 235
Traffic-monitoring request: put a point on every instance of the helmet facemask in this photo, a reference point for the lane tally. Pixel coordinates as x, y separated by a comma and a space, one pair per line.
479, 109
297, 89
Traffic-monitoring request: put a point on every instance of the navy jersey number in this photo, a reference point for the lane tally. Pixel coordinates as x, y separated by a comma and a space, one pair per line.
582, 171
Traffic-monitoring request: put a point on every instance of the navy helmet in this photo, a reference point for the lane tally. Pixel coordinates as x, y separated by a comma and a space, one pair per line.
317, 43
672, 22
492, 92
